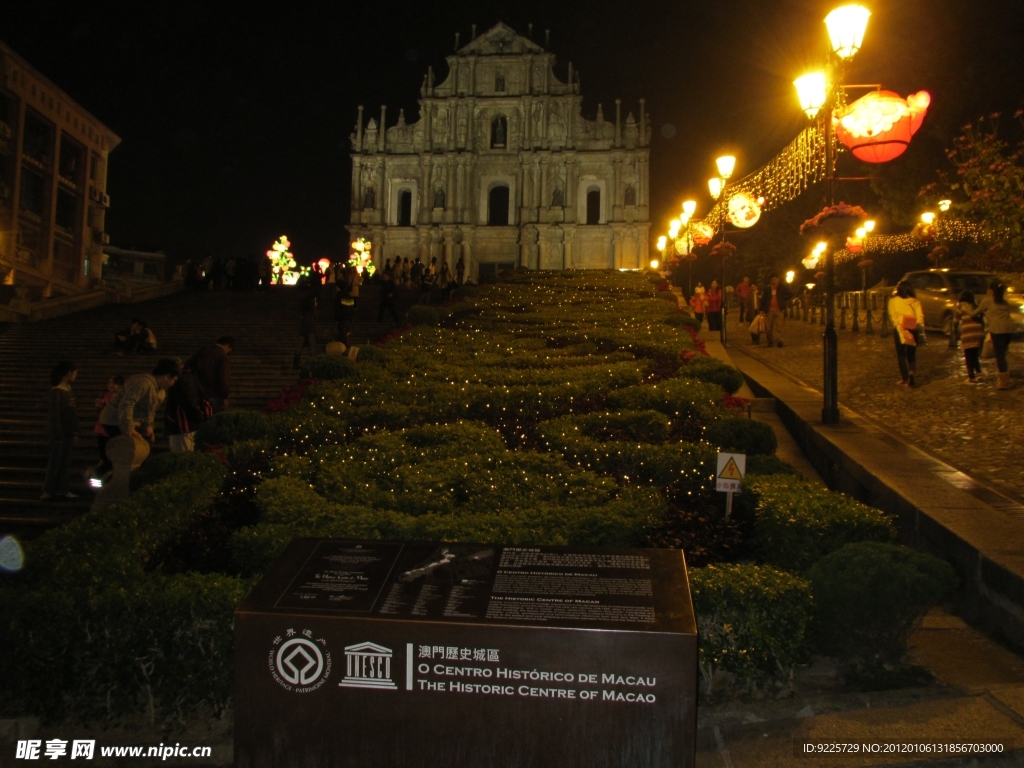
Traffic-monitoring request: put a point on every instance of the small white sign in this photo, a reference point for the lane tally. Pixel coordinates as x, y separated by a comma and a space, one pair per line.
732, 468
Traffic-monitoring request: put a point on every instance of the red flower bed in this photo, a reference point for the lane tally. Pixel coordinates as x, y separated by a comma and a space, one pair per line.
734, 403
289, 396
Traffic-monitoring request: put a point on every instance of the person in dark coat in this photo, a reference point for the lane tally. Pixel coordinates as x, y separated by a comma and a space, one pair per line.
213, 369
62, 430
185, 409
773, 303
387, 297
345, 304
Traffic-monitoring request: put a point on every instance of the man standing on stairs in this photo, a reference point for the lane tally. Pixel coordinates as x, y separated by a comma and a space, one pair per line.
211, 366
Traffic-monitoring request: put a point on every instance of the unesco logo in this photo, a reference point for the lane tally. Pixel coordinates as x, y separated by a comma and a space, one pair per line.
298, 662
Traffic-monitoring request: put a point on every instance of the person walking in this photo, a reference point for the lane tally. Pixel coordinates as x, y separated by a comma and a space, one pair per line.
1000, 327
307, 329
713, 299
752, 303
697, 303
460, 270
773, 304
213, 369
387, 298
103, 431
742, 291
971, 333
62, 431
345, 304
907, 318
186, 408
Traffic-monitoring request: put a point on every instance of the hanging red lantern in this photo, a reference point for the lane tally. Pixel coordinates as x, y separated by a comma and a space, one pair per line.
702, 233
854, 244
878, 127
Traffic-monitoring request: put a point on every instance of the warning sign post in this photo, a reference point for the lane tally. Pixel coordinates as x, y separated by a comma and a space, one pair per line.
732, 467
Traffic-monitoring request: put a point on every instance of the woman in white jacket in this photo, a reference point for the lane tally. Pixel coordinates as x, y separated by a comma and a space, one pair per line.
907, 319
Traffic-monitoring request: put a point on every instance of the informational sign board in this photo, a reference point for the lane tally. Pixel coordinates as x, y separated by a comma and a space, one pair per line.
732, 468
370, 653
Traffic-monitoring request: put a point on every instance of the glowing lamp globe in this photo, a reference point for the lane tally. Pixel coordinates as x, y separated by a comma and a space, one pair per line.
810, 262
662, 242
790, 276
702, 233
846, 27
811, 90
744, 210
715, 187
689, 207
878, 127
726, 165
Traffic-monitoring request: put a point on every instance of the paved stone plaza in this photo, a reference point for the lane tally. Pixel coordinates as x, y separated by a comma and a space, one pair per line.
973, 428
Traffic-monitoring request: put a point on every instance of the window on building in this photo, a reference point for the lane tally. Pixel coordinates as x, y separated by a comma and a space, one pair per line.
405, 208
593, 206
67, 210
497, 206
71, 158
7, 112
94, 167
33, 191
38, 140
499, 132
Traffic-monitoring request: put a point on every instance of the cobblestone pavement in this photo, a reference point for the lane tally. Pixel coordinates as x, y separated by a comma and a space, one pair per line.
975, 428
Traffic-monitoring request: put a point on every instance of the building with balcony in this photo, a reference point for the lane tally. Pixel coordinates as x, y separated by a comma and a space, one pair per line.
53, 184
503, 170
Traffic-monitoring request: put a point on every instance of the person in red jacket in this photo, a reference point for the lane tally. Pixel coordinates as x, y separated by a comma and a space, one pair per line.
741, 292
213, 369
714, 306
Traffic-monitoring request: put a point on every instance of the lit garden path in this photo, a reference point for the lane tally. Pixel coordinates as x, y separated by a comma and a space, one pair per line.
976, 429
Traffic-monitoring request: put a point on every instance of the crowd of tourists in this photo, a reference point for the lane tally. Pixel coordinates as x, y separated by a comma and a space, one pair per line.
762, 312
190, 391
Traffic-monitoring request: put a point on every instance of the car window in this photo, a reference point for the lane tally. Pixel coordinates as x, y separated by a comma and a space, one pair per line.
919, 282
934, 283
977, 283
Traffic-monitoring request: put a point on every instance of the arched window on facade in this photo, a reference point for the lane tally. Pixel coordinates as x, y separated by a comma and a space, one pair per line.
497, 206
405, 208
594, 205
499, 132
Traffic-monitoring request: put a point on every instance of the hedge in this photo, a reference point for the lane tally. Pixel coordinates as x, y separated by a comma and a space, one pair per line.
713, 371
752, 621
797, 522
95, 628
742, 436
870, 595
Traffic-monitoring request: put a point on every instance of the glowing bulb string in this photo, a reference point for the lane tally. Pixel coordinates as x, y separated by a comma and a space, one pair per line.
943, 231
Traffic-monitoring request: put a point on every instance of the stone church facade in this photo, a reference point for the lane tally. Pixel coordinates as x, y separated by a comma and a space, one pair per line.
503, 170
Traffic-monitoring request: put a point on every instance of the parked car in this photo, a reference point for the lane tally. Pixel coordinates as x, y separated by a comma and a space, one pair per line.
938, 289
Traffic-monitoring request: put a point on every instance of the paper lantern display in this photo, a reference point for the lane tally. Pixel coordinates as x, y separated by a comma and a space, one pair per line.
744, 210
878, 127
702, 233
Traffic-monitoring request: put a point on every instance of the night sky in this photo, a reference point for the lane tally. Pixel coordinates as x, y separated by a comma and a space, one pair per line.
235, 118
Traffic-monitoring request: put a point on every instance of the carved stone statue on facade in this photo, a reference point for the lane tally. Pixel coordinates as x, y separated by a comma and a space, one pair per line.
369, 198
499, 129
557, 198
439, 197
499, 81
630, 195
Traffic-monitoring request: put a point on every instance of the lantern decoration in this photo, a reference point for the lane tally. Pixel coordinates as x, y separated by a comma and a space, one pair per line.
324, 263
854, 244
282, 262
878, 127
682, 246
744, 210
360, 257
810, 262
702, 233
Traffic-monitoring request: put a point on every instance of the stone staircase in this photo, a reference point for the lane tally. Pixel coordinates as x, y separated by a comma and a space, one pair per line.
265, 328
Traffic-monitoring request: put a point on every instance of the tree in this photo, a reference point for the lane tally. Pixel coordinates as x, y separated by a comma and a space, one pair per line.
988, 188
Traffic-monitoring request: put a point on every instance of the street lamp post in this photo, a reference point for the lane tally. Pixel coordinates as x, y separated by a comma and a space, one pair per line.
819, 91
726, 165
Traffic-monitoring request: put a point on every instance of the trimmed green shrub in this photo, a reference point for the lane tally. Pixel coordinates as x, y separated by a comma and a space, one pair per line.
797, 523
713, 371
676, 397
229, 427
742, 436
164, 465
682, 320
420, 314
328, 368
667, 296
88, 628
372, 354
770, 465
751, 620
869, 596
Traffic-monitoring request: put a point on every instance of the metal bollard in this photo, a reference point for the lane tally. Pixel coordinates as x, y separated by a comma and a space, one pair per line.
842, 317
855, 328
870, 327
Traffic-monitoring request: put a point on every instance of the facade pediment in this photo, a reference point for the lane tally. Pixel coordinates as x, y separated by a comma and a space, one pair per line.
499, 40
